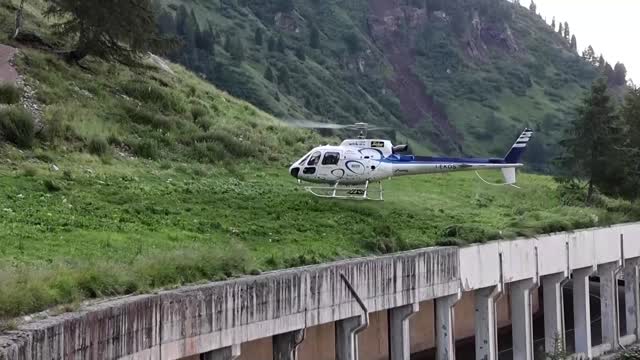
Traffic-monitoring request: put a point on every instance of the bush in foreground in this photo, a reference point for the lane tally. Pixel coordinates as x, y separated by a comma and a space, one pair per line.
17, 126
9, 94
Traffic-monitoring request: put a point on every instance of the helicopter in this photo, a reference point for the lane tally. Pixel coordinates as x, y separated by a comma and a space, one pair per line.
347, 171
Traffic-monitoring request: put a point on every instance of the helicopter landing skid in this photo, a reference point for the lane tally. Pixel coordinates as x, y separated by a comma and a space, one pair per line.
345, 192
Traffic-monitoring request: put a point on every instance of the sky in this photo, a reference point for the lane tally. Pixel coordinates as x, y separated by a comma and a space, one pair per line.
610, 26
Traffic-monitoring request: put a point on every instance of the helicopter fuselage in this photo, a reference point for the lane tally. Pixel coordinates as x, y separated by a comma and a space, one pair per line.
363, 161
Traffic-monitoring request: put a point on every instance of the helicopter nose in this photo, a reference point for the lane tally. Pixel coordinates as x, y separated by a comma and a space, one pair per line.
295, 171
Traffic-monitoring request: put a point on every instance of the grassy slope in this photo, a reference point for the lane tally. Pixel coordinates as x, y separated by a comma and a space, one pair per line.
208, 207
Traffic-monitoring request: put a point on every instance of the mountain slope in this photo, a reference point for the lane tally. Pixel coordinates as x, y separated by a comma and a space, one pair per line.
456, 76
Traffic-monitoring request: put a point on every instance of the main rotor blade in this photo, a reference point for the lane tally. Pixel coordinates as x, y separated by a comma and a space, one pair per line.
316, 125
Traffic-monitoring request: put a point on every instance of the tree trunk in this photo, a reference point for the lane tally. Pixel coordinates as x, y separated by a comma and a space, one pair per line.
590, 191
19, 16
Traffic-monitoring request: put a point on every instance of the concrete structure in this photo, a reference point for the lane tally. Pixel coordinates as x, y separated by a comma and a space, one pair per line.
373, 308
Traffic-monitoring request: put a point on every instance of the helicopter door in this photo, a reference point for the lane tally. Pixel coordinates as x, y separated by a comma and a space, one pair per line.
329, 168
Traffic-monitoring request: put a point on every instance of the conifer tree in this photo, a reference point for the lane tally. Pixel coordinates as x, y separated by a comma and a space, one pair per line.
631, 117
281, 46
553, 23
590, 55
574, 43
314, 38
300, 53
567, 33
258, 36
560, 30
619, 74
533, 7
123, 38
592, 142
268, 74
271, 44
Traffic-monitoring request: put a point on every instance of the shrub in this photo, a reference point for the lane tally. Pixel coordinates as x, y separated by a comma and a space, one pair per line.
29, 171
17, 126
632, 353
147, 149
51, 186
98, 146
143, 116
9, 94
198, 111
152, 94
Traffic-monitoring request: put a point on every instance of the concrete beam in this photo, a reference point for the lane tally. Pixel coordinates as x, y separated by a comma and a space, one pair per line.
346, 338
445, 326
227, 353
581, 311
285, 346
522, 319
609, 303
485, 322
632, 297
399, 336
553, 302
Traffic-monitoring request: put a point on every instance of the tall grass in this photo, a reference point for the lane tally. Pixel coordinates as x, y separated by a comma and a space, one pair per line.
9, 94
28, 289
17, 126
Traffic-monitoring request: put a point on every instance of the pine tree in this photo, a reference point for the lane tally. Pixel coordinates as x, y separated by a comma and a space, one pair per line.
271, 44
601, 63
268, 74
567, 33
560, 30
592, 142
631, 118
533, 7
281, 46
574, 43
283, 77
620, 74
589, 55
258, 36
553, 23
124, 38
314, 38
300, 53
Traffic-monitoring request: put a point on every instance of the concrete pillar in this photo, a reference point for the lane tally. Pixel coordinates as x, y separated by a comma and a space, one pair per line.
553, 301
399, 336
285, 346
522, 319
609, 303
445, 325
346, 340
227, 353
581, 311
632, 297
485, 321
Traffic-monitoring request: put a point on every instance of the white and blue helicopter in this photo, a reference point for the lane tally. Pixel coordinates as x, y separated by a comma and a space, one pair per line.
346, 171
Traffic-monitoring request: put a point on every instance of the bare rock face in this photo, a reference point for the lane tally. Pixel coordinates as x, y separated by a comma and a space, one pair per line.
476, 48
287, 22
402, 23
500, 35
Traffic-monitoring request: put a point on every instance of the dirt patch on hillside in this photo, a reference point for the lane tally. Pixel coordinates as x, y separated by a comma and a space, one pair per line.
393, 28
8, 72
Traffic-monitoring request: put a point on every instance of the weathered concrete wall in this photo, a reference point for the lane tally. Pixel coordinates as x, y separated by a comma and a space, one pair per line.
193, 320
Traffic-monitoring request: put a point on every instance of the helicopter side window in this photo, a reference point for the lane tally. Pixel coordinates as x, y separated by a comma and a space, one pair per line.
331, 158
315, 158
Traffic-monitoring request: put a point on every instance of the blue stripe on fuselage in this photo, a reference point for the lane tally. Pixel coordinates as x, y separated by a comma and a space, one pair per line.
436, 160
